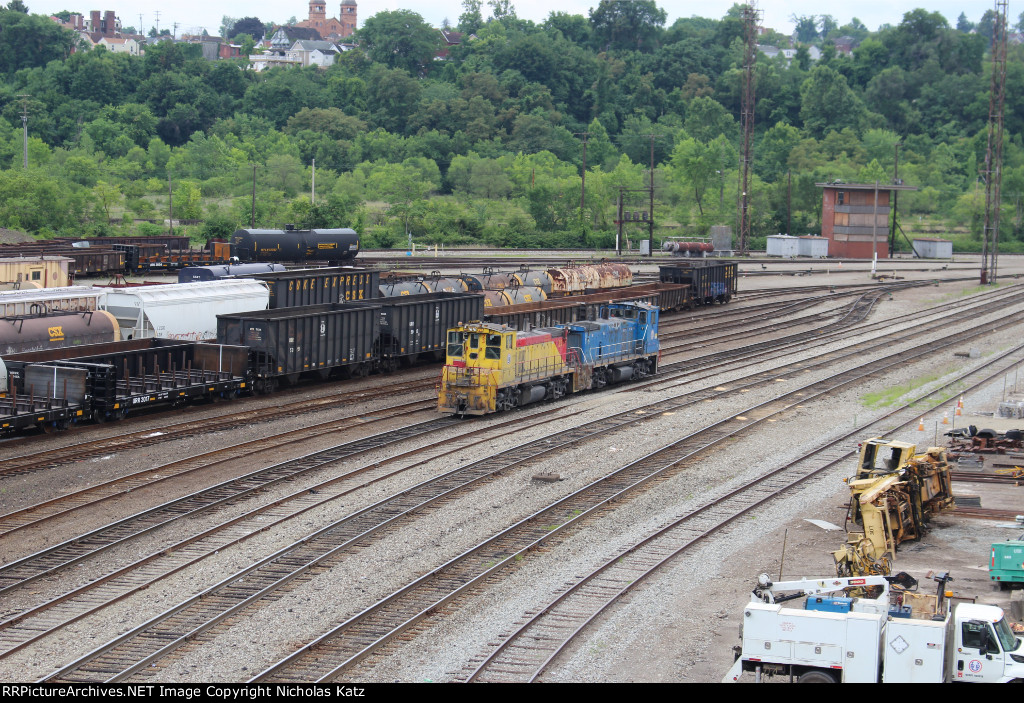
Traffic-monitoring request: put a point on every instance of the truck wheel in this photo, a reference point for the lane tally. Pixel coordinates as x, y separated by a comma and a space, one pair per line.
816, 677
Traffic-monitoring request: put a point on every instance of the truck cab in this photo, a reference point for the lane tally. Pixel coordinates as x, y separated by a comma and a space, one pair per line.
987, 650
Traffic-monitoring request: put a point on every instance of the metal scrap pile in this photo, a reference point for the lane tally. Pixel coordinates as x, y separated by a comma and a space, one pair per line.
971, 440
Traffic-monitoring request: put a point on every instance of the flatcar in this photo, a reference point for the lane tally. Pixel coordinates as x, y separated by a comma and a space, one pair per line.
492, 368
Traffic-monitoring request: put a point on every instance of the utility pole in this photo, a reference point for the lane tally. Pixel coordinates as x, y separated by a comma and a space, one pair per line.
895, 198
650, 224
750, 18
789, 203
24, 130
157, 27
252, 219
994, 151
583, 191
618, 221
174, 32
170, 205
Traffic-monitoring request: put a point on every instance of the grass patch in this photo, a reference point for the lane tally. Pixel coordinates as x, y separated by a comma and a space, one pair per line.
889, 396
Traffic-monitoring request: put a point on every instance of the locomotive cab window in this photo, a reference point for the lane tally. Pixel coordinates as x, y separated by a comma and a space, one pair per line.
493, 350
455, 344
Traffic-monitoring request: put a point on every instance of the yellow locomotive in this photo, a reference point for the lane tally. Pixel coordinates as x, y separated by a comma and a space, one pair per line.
492, 368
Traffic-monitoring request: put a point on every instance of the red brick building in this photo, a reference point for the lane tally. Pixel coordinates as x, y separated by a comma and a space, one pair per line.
329, 27
855, 218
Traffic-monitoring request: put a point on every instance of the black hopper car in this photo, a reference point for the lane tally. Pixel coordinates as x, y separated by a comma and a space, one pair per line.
255, 352
710, 281
352, 338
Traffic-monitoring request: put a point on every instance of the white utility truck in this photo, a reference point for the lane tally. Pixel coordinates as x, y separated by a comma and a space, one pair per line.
886, 633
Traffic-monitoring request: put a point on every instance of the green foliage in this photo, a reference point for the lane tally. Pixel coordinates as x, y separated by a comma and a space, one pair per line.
486, 144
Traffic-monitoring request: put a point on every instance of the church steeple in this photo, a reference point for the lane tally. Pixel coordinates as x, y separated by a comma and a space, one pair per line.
317, 10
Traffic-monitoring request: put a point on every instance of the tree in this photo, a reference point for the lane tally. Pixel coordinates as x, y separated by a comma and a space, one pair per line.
402, 186
248, 25
246, 42
627, 25
470, 21
17, 6
806, 28
28, 41
827, 102
227, 25
400, 39
502, 9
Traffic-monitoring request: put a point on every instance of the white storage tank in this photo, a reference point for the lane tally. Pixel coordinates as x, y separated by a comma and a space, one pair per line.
783, 245
932, 248
183, 310
814, 247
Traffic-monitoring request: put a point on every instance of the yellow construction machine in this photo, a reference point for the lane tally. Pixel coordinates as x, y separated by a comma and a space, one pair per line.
893, 495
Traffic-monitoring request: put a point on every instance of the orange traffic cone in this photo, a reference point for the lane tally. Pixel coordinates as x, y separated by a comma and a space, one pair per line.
920, 427
958, 413
960, 403
945, 418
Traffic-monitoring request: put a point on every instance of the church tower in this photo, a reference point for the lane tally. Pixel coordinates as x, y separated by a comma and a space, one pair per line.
348, 17
317, 13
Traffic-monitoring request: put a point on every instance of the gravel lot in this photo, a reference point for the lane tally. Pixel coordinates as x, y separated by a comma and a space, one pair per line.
679, 627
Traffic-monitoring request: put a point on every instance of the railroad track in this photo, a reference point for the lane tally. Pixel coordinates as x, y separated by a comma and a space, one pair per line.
526, 653
336, 652
184, 635
987, 513
35, 461
35, 515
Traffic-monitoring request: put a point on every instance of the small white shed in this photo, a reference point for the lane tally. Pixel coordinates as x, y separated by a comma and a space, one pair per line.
814, 247
933, 248
783, 245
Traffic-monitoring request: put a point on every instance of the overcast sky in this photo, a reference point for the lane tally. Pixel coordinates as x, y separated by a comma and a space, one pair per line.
191, 15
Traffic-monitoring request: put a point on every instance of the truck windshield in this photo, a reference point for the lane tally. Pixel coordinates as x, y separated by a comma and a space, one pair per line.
1006, 637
